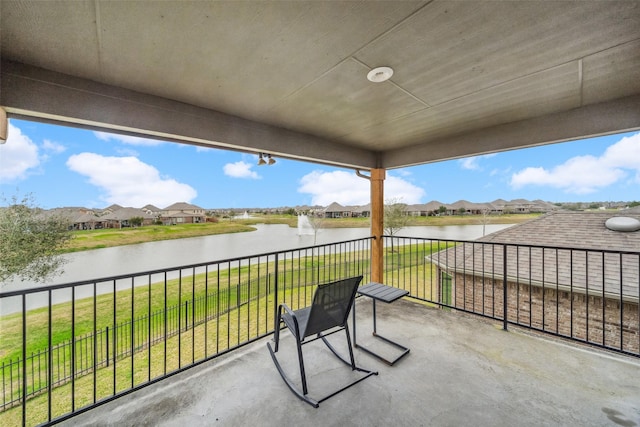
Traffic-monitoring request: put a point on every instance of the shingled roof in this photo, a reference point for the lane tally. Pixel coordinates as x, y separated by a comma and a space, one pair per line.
571, 250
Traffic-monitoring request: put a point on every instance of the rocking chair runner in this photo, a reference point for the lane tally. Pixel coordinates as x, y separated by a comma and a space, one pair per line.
328, 311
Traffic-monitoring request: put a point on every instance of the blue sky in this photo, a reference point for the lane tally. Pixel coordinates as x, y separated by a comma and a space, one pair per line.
64, 166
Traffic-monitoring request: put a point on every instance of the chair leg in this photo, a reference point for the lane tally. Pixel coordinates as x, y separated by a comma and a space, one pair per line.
292, 386
303, 376
351, 358
276, 336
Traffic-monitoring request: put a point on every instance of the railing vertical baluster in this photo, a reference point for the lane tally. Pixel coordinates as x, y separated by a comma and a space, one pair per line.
114, 337
131, 332
95, 343
544, 328
586, 286
620, 260
73, 348
557, 293
193, 315
571, 292
504, 288
228, 306
164, 362
50, 358
238, 303
179, 318
24, 359
275, 298
604, 302
218, 310
206, 311
149, 328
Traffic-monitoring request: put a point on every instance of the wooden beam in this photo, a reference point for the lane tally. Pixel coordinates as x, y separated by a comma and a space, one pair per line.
377, 224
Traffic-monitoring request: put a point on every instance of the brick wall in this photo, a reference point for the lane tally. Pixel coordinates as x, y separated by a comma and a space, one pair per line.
592, 318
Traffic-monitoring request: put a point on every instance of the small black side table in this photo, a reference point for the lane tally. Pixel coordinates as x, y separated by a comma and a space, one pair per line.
387, 294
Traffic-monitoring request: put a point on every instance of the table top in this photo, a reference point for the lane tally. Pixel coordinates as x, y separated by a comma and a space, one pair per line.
381, 292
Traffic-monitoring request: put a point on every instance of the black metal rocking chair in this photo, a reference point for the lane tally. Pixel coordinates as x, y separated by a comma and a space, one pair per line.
328, 311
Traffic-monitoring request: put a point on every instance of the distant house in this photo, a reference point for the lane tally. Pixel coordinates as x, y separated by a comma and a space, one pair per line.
122, 218
583, 293
336, 210
182, 213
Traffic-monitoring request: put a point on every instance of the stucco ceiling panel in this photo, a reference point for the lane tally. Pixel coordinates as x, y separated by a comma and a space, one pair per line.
239, 57
344, 101
62, 36
621, 62
542, 93
451, 49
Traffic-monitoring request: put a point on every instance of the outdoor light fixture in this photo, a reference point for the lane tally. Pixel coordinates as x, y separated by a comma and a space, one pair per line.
380, 74
269, 160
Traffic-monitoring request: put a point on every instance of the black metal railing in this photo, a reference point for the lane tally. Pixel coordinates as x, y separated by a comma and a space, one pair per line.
585, 295
67, 348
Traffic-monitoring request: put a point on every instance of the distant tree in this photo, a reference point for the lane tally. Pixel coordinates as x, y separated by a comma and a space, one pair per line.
136, 221
316, 224
461, 211
484, 218
30, 240
442, 210
634, 204
290, 211
395, 216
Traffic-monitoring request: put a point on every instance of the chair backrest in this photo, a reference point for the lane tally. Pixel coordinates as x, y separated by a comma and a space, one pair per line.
331, 305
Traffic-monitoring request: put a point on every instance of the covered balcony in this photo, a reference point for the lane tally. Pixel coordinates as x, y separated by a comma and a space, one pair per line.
461, 370
301, 80
188, 344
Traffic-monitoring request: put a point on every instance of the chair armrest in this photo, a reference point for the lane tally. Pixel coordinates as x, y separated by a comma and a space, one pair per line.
292, 314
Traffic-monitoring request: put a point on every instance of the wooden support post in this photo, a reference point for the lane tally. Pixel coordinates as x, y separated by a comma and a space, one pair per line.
377, 224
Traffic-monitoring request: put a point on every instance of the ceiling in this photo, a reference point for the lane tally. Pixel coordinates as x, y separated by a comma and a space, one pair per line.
289, 78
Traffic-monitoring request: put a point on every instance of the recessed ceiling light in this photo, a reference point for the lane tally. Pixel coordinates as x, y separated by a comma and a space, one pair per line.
380, 74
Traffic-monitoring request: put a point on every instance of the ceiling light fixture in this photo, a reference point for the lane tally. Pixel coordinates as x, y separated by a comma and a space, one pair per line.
380, 74
261, 160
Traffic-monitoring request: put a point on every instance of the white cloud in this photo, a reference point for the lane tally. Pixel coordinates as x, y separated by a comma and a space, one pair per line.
473, 163
240, 169
347, 189
17, 156
53, 147
127, 139
587, 174
470, 163
129, 182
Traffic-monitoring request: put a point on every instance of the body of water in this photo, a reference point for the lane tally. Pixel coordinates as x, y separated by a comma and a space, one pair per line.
129, 259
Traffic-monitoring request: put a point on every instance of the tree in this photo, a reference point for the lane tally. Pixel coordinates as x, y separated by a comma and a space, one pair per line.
136, 221
30, 240
442, 210
395, 216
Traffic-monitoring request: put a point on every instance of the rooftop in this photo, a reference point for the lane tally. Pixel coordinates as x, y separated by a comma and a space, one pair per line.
461, 370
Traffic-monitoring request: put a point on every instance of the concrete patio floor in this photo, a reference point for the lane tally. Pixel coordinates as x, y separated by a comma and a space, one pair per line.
462, 370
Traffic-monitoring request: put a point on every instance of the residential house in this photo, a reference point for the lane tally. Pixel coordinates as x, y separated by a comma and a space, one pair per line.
182, 213
336, 210
585, 293
122, 218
